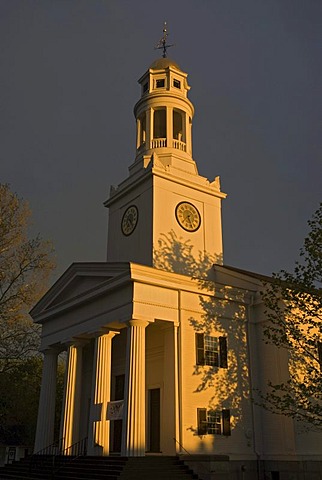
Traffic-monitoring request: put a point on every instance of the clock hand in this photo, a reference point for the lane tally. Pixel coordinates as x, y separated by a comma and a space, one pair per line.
190, 221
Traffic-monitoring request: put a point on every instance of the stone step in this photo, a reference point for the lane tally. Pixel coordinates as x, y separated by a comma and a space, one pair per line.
98, 468
156, 468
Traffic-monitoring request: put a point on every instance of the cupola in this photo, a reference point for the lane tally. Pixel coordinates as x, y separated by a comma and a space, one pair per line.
164, 113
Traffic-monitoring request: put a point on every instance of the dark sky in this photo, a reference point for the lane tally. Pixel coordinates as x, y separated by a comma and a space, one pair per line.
69, 71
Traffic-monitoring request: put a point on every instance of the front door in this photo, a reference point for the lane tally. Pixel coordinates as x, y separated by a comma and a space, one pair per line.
154, 420
117, 424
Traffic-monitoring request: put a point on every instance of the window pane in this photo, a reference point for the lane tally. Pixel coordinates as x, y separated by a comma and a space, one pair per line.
211, 358
160, 83
211, 351
214, 422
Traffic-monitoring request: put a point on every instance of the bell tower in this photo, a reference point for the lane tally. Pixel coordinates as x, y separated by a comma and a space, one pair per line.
164, 196
164, 115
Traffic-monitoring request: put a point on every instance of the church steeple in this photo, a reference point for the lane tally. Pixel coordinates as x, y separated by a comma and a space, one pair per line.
164, 197
164, 116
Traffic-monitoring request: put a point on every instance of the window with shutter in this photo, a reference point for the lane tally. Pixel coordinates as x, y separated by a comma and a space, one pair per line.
213, 422
211, 351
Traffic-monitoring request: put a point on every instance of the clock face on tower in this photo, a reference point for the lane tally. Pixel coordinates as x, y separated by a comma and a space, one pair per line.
188, 216
129, 220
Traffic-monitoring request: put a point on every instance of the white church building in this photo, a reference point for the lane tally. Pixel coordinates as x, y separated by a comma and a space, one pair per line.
164, 342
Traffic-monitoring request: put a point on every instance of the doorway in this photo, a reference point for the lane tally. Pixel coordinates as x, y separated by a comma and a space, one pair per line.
154, 420
117, 424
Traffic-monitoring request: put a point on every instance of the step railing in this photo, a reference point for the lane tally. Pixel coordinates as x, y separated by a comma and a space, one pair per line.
69, 455
38, 459
181, 446
58, 455
78, 449
190, 454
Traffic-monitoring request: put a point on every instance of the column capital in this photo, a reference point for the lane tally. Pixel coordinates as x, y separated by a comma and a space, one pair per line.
138, 323
106, 332
75, 342
52, 350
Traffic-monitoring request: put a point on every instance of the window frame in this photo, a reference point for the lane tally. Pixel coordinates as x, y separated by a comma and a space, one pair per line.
207, 427
160, 81
204, 355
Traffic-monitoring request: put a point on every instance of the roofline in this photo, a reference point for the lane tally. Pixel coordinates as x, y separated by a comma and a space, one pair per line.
259, 276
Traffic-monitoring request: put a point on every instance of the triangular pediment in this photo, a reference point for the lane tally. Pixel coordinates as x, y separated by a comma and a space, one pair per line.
78, 287
79, 281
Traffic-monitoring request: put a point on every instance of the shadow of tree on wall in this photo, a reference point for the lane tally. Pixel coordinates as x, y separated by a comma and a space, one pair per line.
174, 254
223, 312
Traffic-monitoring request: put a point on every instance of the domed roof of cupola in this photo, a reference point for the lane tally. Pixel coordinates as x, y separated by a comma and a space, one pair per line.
161, 63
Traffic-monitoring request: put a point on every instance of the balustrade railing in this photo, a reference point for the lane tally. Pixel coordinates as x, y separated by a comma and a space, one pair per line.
162, 143
158, 142
179, 145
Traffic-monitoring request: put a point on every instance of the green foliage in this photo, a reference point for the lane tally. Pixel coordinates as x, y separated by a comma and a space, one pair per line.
25, 265
20, 389
294, 309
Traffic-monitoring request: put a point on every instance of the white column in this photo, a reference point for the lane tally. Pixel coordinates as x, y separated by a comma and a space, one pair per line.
188, 127
149, 127
169, 127
71, 401
171, 415
138, 132
133, 435
46, 410
99, 428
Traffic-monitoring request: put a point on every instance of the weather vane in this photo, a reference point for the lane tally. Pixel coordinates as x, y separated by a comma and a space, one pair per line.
162, 43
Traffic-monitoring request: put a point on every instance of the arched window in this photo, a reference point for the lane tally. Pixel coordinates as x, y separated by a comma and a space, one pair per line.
178, 126
159, 123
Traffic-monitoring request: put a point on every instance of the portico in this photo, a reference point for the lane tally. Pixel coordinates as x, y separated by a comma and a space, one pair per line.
126, 337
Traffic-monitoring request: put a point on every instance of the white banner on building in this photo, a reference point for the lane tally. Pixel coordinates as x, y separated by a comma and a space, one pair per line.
115, 410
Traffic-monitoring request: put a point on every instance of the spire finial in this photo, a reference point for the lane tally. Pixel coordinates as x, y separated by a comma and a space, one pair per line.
162, 43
